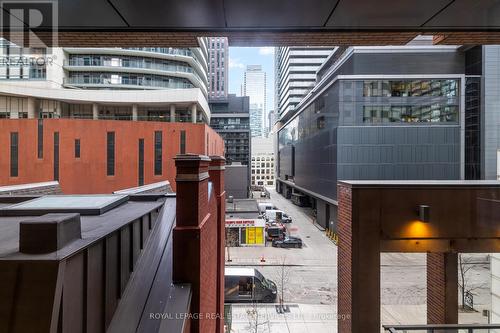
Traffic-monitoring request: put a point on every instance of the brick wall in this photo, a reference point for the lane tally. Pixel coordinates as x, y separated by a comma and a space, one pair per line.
198, 259
442, 302
344, 228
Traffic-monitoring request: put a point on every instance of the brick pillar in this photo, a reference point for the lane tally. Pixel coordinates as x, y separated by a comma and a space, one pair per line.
216, 171
191, 220
358, 303
442, 288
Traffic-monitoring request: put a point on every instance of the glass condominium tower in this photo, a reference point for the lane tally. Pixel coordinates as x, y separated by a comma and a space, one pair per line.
254, 86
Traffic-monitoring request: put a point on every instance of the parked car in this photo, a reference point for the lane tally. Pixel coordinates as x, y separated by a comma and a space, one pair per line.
289, 241
278, 216
247, 285
263, 194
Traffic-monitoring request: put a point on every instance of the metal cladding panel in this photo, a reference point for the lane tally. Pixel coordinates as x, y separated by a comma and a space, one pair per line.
391, 153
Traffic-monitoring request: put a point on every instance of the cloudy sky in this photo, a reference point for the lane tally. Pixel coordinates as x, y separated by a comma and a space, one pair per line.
240, 57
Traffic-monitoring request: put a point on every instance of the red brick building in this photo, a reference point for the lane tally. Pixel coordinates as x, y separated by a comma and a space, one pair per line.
98, 156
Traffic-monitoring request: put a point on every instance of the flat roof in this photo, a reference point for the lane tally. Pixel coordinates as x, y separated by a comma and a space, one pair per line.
242, 206
82, 204
93, 227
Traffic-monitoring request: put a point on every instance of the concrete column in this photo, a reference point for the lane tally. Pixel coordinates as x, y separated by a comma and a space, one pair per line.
95, 111
32, 112
216, 172
134, 112
58, 109
193, 113
442, 288
195, 238
172, 113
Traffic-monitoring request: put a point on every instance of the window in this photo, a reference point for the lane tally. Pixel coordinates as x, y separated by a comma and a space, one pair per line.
141, 162
56, 155
158, 152
14, 154
77, 148
183, 142
110, 152
40, 138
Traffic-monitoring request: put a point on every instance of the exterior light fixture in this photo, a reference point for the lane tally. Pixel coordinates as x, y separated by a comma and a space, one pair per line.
424, 213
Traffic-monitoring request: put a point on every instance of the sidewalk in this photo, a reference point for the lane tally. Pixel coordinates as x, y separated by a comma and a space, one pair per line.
302, 318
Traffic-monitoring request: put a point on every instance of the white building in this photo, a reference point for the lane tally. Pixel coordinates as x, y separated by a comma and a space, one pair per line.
262, 162
254, 86
162, 84
295, 74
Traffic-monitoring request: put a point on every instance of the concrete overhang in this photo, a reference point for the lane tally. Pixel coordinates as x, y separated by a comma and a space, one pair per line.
267, 22
116, 97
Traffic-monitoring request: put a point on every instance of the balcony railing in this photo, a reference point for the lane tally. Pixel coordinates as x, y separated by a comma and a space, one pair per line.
131, 64
230, 126
92, 80
443, 328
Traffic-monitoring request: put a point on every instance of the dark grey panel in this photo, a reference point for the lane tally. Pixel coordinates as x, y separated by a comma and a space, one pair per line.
468, 13
384, 13
172, 13
88, 13
276, 13
403, 63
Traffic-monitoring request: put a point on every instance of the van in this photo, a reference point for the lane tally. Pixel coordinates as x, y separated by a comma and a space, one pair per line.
247, 285
263, 206
278, 216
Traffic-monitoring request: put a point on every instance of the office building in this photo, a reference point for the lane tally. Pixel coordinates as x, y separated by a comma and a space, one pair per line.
376, 113
271, 121
218, 59
254, 86
231, 120
295, 74
262, 162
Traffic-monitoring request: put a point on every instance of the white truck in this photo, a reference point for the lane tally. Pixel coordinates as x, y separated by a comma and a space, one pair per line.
278, 216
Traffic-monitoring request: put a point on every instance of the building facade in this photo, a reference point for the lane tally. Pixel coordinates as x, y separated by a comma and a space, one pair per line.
254, 86
218, 59
263, 162
161, 84
98, 156
231, 120
377, 113
295, 74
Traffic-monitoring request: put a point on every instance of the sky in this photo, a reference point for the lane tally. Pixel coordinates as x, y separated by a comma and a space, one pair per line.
240, 57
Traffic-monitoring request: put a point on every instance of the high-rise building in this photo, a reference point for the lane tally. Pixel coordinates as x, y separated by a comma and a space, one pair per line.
254, 86
96, 83
271, 120
218, 59
295, 74
127, 113
377, 113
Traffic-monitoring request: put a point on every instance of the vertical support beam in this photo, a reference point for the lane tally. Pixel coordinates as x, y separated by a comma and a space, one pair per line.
32, 112
58, 109
216, 172
95, 111
192, 223
193, 113
442, 288
134, 112
172, 113
359, 272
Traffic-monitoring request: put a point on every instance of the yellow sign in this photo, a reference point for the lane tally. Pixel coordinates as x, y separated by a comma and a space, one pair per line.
259, 235
250, 235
